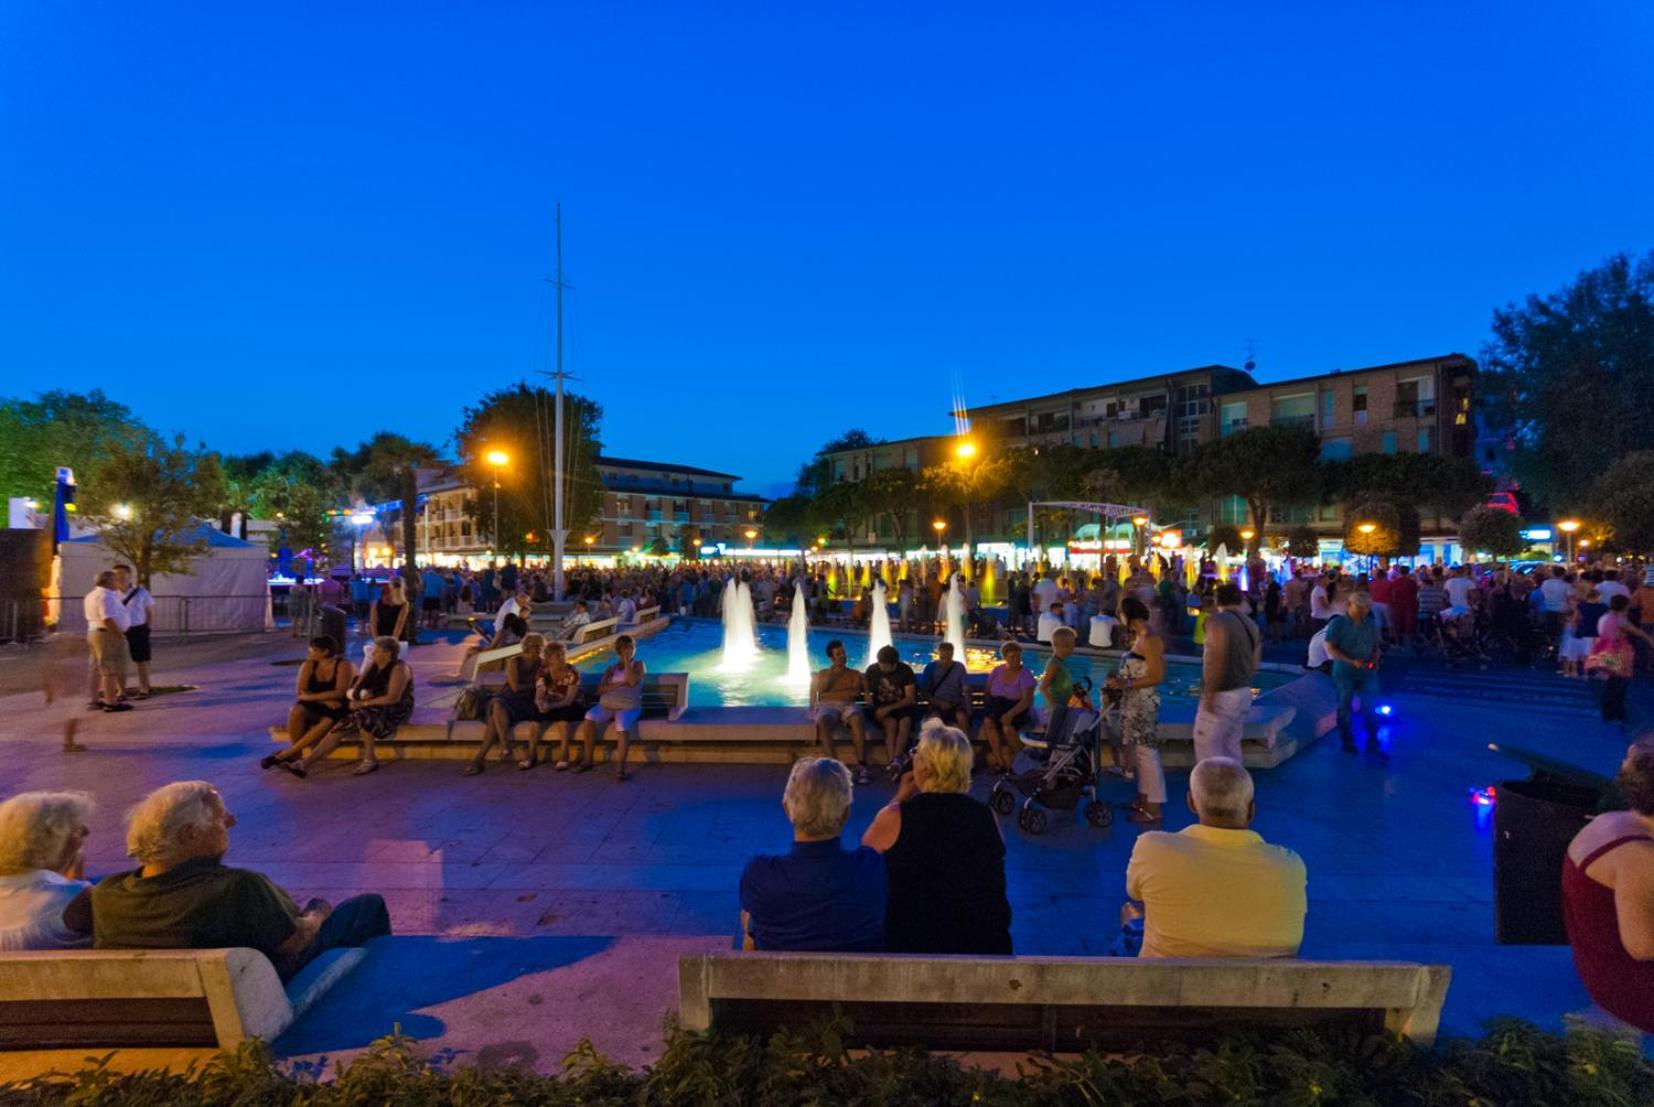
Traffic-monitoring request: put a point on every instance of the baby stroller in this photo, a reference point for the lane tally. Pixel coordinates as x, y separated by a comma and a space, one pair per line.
1071, 759
1462, 640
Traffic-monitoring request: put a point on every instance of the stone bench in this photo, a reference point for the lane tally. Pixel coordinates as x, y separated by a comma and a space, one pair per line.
1060, 1004
154, 997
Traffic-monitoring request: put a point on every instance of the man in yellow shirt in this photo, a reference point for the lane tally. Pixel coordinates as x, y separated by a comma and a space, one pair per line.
1217, 889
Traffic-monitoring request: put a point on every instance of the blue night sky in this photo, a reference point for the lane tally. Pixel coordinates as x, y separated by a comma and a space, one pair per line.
283, 225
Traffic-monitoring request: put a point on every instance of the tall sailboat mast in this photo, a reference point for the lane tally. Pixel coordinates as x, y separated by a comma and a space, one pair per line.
559, 534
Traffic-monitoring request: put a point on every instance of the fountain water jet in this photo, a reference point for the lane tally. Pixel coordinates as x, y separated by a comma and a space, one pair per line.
798, 646
953, 604
740, 637
878, 625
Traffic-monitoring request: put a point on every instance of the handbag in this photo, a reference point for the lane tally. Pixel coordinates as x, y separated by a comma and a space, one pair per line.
1611, 657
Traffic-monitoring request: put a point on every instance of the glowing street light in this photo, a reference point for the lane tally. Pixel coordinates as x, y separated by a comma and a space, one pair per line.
939, 525
499, 459
1366, 528
750, 533
1568, 526
965, 450
123, 512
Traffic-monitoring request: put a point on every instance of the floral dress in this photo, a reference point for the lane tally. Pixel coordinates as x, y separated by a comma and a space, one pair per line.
1139, 707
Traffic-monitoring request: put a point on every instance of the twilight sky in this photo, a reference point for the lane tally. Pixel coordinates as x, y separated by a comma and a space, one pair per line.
289, 225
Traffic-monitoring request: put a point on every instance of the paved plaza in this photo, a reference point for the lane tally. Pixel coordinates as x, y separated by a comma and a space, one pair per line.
532, 908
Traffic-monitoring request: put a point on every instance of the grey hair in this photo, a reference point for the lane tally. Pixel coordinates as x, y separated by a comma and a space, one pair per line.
1362, 599
36, 826
389, 644
1222, 789
817, 796
154, 825
947, 756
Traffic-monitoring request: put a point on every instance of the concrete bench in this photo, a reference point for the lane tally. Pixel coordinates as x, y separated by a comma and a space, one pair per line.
154, 997
644, 616
1060, 1004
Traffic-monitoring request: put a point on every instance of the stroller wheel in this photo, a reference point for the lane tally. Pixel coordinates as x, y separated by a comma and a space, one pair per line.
1002, 800
1099, 814
1032, 820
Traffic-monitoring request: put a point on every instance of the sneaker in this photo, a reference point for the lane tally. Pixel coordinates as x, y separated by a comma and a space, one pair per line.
111, 708
560, 767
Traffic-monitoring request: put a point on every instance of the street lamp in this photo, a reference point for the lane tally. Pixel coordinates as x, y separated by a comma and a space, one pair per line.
123, 512
499, 459
965, 450
1367, 528
1568, 526
750, 534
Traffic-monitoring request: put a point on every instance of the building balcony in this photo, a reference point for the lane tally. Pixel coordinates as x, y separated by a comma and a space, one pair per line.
1414, 409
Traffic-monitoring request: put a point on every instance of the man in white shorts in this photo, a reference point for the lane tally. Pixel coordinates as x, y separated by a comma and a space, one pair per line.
620, 701
1233, 650
834, 695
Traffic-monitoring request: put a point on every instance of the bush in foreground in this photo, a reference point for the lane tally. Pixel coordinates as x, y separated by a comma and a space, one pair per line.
1514, 1063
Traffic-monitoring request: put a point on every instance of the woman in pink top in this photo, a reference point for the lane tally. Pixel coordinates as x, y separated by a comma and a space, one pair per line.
1608, 897
1010, 695
1612, 656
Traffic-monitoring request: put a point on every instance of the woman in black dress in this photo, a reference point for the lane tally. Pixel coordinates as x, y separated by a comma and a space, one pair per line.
513, 704
943, 856
324, 681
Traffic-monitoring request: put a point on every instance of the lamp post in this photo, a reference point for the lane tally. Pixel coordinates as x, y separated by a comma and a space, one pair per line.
1367, 529
750, 534
964, 452
1138, 522
1568, 526
499, 459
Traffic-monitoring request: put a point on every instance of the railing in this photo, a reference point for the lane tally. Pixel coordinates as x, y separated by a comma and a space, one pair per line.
1406, 409
171, 617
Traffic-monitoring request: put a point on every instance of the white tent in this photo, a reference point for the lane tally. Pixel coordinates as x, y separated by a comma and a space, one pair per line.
227, 588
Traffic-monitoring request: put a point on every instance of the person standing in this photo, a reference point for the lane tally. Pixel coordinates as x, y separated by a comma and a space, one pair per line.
1613, 655
1354, 643
1141, 672
1233, 650
139, 605
106, 623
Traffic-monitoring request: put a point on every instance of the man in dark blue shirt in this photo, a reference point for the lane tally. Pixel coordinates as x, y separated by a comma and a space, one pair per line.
1354, 643
820, 896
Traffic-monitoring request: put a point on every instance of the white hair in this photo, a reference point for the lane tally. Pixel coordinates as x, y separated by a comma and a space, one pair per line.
947, 757
153, 827
1222, 789
817, 796
35, 828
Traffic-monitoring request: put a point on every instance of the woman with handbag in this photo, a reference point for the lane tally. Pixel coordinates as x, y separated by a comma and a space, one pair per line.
513, 704
1613, 657
619, 700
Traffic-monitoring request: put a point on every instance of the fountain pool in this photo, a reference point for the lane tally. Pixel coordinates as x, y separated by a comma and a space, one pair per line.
695, 646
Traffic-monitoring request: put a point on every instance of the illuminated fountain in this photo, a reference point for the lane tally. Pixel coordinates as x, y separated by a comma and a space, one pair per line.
740, 637
798, 646
953, 605
878, 626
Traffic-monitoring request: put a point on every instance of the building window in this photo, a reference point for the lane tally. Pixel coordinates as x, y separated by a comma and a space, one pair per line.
1389, 442
1337, 449
1358, 405
1424, 440
1329, 408
1416, 397
1232, 510
1231, 418
1293, 411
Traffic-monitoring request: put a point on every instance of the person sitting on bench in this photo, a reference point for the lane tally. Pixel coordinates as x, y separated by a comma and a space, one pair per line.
833, 695
820, 896
1180, 877
943, 685
508, 631
574, 620
43, 903
512, 704
620, 700
891, 695
324, 680
183, 896
381, 700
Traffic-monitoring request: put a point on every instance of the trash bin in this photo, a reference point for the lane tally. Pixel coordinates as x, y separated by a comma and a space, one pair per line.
330, 620
1533, 822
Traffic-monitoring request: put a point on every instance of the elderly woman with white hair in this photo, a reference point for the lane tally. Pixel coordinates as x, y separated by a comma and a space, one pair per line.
819, 896
183, 896
944, 856
42, 885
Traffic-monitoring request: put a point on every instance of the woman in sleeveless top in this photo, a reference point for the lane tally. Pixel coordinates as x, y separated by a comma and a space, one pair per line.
1141, 672
619, 700
390, 611
512, 704
381, 700
324, 680
1607, 893
944, 857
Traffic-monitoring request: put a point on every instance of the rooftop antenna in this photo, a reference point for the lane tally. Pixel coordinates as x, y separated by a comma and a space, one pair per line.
1251, 354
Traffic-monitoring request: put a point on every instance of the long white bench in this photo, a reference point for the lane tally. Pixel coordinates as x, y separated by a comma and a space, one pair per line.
1062, 1004
154, 997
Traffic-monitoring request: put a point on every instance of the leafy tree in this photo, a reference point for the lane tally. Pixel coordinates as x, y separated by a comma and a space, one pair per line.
1491, 530
241, 477
300, 492
1226, 535
1302, 543
1572, 373
656, 547
1445, 486
967, 486
60, 428
521, 421
847, 507
147, 499
1269, 467
815, 475
1623, 500
792, 519
386, 467
1395, 527
894, 492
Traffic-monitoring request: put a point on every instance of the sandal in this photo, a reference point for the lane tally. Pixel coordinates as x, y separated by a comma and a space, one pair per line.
473, 769
561, 766
1143, 818
363, 768
295, 768
525, 764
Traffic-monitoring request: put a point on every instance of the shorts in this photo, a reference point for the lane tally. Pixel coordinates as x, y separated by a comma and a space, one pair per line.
625, 719
998, 705
108, 652
911, 714
313, 713
828, 711
137, 643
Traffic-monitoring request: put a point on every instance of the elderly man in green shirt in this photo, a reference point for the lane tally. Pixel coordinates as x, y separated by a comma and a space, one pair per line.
184, 897
1354, 642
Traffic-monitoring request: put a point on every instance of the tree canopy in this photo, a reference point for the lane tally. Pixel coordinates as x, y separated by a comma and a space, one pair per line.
1269, 467
1491, 530
148, 496
58, 428
1572, 373
1622, 500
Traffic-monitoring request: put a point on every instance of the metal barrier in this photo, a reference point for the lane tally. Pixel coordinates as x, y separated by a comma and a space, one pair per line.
171, 617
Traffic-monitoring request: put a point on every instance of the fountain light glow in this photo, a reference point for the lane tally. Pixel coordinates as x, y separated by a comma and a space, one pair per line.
798, 630
740, 637
878, 627
953, 603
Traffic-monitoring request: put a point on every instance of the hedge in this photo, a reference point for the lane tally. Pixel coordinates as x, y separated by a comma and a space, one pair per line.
1514, 1063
